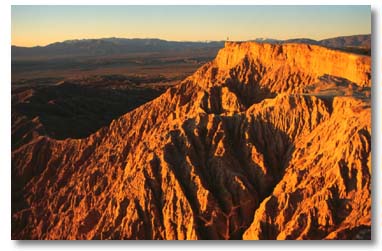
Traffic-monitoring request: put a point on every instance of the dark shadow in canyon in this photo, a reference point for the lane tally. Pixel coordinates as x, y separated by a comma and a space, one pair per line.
227, 217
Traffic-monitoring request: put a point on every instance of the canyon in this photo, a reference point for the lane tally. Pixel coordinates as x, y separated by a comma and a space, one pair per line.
266, 141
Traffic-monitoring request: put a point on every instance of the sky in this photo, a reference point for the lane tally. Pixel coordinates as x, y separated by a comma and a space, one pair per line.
42, 25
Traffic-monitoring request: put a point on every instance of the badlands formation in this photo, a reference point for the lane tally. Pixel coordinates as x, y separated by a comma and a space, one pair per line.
264, 142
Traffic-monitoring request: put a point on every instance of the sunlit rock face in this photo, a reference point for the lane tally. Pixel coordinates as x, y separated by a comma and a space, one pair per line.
264, 142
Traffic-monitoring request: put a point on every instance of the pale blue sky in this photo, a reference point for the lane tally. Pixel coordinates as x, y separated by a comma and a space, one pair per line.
41, 25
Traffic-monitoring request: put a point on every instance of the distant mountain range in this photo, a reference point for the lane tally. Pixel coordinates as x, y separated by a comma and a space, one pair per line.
355, 41
111, 46
124, 46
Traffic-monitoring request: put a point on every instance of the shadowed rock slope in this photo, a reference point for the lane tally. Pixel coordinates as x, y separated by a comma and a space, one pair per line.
239, 150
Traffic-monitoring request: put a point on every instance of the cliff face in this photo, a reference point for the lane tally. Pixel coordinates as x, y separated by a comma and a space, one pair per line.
240, 149
285, 68
325, 190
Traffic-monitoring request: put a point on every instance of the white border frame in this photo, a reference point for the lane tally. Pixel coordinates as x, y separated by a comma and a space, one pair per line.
5, 136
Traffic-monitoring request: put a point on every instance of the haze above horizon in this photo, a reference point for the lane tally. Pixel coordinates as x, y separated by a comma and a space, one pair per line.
42, 25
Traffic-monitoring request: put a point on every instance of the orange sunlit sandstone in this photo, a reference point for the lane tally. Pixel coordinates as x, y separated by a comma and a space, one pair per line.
254, 145
306, 59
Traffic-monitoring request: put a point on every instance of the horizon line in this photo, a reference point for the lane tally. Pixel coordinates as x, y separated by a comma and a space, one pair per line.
186, 41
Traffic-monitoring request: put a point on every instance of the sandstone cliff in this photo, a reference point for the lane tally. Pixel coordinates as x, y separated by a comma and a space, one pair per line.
240, 149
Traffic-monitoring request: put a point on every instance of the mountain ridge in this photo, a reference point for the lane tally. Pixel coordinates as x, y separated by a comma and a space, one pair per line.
363, 40
108, 46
